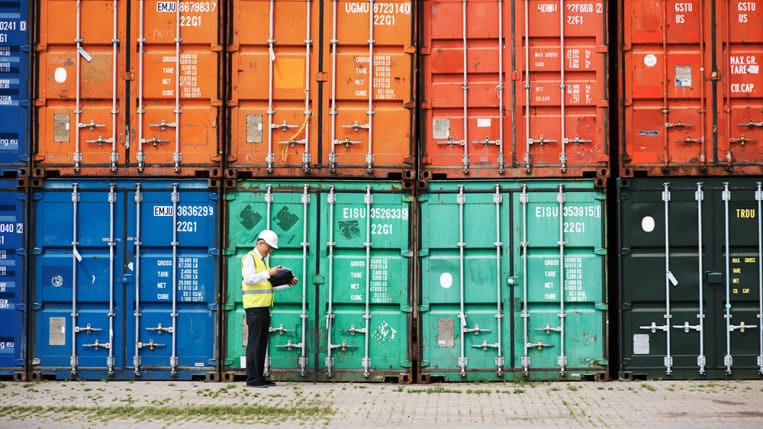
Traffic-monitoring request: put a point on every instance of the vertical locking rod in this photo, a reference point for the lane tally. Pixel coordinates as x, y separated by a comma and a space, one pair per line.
701, 360
562, 86
668, 275
330, 313
524, 199
333, 112
138, 200
110, 361
528, 137
177, 156
727, 359
174, 314
461, 200
465, 90
75, 257
498, 199
272, 57
562, 360
140, 156
367, 244
77, 106
370, 112
305, 245
269, 203
114, 112
308, 43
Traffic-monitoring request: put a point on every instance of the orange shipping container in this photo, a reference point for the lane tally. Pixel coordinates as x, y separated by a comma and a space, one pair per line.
112, 105
534, 108
301, 100
693, 91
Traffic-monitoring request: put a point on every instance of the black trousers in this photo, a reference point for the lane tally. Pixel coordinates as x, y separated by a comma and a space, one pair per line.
258, 322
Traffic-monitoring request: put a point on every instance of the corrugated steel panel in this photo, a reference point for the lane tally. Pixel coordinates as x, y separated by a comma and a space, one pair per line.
514, 90
690, 277
492, 305
98, 117
301, 97
692, 99
125, 280
319, 329
15, 69
13, 279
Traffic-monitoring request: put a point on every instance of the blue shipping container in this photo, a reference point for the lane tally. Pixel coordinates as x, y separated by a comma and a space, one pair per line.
12, 281
14, 86
143, 257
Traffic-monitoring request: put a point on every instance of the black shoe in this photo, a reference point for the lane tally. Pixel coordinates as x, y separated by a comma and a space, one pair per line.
270, 383
257, 385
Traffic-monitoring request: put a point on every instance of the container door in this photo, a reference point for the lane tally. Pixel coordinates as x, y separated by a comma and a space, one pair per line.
465, 317
171, 299
289, 211
364, 303
80, 101
14, 74
561, 266
369, 127
13, 279
273, 64
466, 65
666, 94
562, 94
739, 29
175, 124
78, 326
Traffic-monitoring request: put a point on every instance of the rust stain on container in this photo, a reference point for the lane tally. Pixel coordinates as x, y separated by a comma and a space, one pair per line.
537, 108
129, 119
690, 107
281, 124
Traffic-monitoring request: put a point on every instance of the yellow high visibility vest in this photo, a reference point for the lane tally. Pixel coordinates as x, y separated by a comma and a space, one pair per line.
260, 294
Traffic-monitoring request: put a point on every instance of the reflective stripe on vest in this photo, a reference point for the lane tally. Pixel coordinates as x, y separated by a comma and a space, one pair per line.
260, 294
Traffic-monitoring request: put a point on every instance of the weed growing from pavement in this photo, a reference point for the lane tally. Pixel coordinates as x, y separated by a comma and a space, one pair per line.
430, 390
649, 388
2, 385
478, 391
572, 388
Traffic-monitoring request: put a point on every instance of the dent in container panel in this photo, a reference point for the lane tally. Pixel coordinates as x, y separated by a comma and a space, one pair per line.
690, 277
84, 88
13, 280
352, 239
14, 88
690, 107
124, 280
477, 122
276, 110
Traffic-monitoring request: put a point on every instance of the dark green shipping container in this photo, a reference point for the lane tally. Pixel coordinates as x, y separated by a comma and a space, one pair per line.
349, 318
513, 281
690, 277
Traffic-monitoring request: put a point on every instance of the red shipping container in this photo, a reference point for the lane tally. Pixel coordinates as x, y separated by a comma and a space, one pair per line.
292, 115
689, 106
534, 108
97, 117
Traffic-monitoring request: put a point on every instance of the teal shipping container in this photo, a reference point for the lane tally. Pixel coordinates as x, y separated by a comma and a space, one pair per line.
690, 278
513, 281
349, 317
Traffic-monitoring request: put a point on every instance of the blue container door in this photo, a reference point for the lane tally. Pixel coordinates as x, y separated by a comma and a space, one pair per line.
172, 266
78, 322
14, 90
12, 281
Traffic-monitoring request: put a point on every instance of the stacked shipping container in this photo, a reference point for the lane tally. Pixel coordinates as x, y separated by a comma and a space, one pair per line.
504, 129
689, 241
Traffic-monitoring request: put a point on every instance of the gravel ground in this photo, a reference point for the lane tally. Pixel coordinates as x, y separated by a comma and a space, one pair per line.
152, 404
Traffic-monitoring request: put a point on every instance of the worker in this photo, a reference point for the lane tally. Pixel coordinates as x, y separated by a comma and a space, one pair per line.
258, 298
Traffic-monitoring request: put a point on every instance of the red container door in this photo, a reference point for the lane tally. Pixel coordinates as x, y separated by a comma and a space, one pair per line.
665, 100
564, 125
494, 109
80, 103
175, 124
741, 136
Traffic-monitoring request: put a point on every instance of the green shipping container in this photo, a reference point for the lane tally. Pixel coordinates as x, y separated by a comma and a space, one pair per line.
349, 318
690, 277
492, 303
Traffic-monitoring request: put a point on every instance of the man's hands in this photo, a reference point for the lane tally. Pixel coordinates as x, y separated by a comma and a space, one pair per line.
275, 270
294, 281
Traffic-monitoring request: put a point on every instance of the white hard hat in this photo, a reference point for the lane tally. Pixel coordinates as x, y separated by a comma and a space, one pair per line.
269, 237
